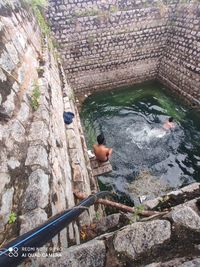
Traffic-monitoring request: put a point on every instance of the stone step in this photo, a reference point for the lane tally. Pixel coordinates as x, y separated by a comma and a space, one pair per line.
99, 168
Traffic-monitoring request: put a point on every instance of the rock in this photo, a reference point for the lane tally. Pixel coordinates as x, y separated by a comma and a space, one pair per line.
91, 254
140, 237
178, 262
17, 131
39, 132
192, 263
191, 188
6, 61
23, 113
152, 203
37, 155
146, 184
13, 163
12, 52
5, 179
186, 217
37, 192
9, 106
6, 205
27, 221
108, 223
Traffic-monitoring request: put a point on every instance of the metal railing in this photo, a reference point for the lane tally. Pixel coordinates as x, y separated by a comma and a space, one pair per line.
13, 254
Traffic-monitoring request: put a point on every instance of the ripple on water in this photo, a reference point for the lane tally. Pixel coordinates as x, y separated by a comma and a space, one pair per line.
132, 121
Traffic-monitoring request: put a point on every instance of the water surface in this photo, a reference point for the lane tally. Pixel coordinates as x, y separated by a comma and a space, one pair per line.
146, 160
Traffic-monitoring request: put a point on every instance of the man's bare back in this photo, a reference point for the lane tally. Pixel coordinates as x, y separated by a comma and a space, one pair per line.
101, 152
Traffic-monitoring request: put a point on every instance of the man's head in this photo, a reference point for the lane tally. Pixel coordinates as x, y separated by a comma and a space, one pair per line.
101, 139
171, 119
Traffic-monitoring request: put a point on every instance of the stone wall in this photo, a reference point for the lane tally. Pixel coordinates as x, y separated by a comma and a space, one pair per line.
106, 44
180, 64
109, 43
170, 238
42, 160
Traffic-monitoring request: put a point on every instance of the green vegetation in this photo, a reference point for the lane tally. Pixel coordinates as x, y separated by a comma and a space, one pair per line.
37, 3
91, 11
90, 40
136, 213
38, 7
113, 9
95, 11
12, 217
97, 216
71, 96
35, 96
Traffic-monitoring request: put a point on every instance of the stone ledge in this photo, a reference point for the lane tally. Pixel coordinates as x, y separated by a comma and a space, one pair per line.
99, 168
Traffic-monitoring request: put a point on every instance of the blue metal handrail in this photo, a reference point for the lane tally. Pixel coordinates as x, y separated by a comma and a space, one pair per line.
13, 254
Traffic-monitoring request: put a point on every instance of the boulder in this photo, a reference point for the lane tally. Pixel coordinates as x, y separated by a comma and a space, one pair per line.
140, 237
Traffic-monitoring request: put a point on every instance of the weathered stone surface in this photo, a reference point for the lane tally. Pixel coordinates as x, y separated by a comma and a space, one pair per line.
37, 155
6, 205
13, 163
17, 131
91, 254
148, 44
32, 219
140, 237
37, 192
5, 179
152, 203
192, 263
108, 223
23, 113
190, 188
186, 217
178, 262
39, 132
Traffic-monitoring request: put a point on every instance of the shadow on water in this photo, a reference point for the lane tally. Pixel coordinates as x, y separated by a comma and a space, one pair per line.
146, 160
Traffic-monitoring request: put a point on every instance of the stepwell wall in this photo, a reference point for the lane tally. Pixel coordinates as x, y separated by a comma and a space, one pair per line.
106, 44
41, 159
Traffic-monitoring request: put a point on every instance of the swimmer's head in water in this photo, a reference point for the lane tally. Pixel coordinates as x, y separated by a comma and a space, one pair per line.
101, 139
171, 119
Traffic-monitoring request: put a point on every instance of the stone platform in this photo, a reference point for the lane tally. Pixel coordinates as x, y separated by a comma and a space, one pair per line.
99, 168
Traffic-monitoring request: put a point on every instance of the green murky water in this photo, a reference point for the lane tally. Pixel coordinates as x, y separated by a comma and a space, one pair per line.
146, 159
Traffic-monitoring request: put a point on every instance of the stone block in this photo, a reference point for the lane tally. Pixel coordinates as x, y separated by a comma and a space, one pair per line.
37, 155
37, 192
186, 217
92, 253
140, 237
32, 219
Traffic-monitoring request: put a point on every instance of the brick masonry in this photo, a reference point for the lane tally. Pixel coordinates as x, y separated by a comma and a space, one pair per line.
106, 44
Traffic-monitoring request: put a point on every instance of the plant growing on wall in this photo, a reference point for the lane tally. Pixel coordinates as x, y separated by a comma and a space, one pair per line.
12, 217
113, 9
38, 7
35, 96
91, 11
90, 40
136, 213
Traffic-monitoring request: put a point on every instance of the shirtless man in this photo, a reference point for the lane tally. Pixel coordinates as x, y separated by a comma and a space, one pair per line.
169, 124
102, 152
